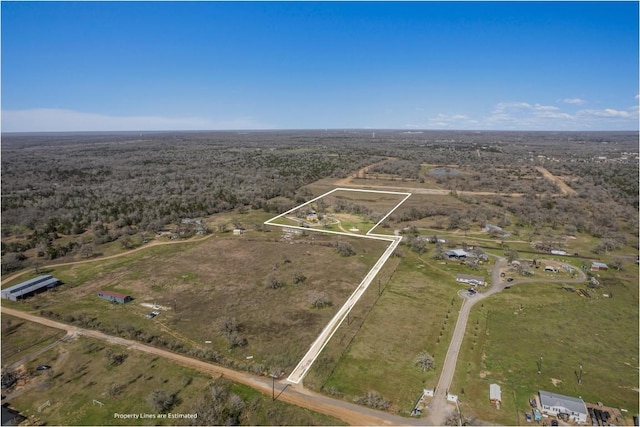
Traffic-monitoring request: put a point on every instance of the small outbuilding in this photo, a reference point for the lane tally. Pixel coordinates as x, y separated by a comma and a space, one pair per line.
456, 253
495, 394
114, 296
597, 266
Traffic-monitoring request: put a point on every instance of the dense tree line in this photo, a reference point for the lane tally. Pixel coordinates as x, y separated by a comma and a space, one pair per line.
112, 186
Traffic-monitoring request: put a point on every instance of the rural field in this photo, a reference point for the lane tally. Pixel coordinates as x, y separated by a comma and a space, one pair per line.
253, 297
91, 381
415, 312
507, 336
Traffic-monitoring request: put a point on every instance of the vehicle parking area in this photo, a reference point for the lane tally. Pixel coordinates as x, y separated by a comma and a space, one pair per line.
599, 415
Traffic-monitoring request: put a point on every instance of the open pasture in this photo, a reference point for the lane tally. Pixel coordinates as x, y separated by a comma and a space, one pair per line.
20, 338
250, 295
87, 384
343, 211
506, 337
416, 312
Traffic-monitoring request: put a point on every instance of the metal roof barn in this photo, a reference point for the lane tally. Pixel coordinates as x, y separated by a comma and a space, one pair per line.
29, 287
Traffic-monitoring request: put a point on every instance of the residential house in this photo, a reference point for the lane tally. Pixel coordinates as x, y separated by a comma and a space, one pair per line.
114, 296
560, 405
597, 266
470, 279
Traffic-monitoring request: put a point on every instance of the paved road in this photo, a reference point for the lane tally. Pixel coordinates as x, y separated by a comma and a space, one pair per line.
438, 409
349, 413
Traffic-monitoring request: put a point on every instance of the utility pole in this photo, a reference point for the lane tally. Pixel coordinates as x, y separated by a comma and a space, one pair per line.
273, 386
580, 374
540, 365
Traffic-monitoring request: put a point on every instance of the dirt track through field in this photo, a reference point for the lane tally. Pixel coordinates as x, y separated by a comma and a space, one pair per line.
439, 409
348, 181
347, 412
564, 188
97, 259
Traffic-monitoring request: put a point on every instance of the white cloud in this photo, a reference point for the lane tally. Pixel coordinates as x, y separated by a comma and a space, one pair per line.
607, 112
526, 116
576, 101
539, 107
502, 106
59, 120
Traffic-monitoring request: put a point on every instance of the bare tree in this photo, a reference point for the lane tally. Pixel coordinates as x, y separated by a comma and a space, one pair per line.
319, 299
424, 361
161, 401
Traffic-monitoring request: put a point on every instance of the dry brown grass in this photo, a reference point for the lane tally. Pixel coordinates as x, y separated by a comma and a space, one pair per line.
222, 277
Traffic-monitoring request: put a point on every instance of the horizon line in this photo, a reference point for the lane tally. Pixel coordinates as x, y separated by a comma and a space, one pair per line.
367, 130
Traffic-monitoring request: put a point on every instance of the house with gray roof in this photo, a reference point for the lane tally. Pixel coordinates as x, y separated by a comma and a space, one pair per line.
558, 404
470, 279
456, 253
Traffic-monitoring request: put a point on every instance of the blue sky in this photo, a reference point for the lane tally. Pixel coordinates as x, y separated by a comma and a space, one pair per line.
305, 65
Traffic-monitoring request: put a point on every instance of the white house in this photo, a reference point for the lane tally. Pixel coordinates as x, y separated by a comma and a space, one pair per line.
556, 404
472, 280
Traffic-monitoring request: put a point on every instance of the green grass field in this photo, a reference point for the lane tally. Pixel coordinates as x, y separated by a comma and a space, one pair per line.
416, 312
20, 338
506, 337
82, 374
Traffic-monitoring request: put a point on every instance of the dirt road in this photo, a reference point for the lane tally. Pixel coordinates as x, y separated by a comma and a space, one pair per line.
349, 413
349, 182
97, 259
307, 360
438, 409
564, 188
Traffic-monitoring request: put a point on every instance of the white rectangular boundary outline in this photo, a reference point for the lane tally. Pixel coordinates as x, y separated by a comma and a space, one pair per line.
321, 341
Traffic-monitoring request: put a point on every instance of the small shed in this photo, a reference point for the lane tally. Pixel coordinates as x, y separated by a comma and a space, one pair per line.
114, 296
495, 394
238, 231
597, 266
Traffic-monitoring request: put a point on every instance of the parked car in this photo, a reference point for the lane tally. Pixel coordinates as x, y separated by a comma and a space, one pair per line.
554, 422
151, 315
510, 279
527, 416
43, 367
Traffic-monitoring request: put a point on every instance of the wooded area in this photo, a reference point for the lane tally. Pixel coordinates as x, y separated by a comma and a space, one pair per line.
100, 187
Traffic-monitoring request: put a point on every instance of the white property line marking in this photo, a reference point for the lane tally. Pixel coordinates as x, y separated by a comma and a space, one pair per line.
327, 333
